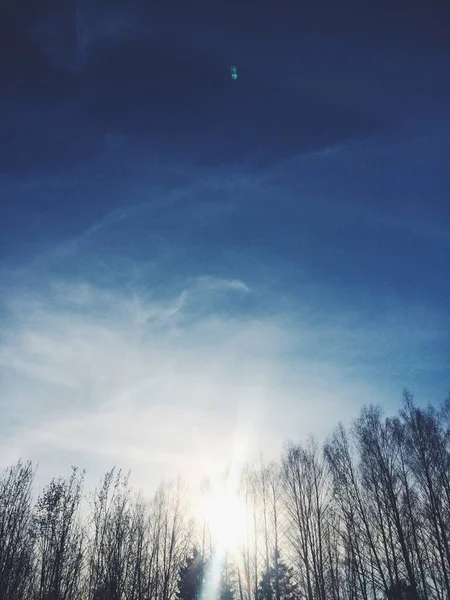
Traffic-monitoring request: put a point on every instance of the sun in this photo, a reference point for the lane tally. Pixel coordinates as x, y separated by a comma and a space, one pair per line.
224, 515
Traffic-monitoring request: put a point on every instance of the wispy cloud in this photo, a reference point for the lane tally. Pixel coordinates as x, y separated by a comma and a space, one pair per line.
252, 262
97, 372
166, 385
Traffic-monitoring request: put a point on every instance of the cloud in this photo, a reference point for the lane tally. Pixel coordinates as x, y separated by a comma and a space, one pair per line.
169, 384
83, 363
163, 368
161, 356
155, 383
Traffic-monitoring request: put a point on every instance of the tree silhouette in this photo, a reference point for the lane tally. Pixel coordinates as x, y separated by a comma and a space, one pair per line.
191, 578
277, 583
16, 543
59, 539
226, 591
366, 517
401, 590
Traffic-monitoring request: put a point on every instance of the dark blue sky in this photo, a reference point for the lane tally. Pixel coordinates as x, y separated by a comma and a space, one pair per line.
317, 185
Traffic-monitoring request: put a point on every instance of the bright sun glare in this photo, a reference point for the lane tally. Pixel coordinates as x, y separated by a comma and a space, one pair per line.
224, 515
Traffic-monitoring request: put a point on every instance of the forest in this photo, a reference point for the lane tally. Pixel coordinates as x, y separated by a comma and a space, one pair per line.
366, 515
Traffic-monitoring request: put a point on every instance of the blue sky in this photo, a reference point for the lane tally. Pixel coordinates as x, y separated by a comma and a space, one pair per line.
192, 264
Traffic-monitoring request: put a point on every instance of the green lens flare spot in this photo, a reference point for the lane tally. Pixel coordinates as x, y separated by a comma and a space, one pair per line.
233, 72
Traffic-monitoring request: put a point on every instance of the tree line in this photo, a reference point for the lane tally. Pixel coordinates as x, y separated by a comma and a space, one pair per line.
364, 516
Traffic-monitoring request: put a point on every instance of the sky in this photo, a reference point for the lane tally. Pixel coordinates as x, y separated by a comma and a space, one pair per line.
195, 269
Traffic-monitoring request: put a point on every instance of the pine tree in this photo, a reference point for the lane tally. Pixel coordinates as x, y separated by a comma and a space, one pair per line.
400, 591
191, 577
226, 591
278, 583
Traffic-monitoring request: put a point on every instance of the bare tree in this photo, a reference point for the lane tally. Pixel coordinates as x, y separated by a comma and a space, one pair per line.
366, 517
384, 493
111, 548
172, 535
59, 540
16, 545
361, 550
427, 455
307, 505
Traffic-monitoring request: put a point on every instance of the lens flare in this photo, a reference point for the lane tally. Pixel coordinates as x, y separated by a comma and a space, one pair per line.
224, 515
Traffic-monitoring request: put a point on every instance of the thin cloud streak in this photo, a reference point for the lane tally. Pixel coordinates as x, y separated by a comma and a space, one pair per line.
168, 386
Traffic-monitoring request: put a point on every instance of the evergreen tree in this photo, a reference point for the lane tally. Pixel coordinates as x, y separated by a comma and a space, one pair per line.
191, 577
400, 591
227, 584
277, 583
226, 591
